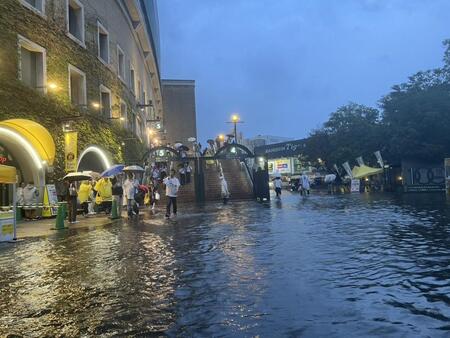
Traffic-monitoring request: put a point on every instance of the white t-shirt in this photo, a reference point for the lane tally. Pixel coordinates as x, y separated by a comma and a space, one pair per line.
129, 188
172, 186
277, 183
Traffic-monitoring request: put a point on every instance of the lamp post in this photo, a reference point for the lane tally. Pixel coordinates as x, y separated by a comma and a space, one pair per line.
235, 119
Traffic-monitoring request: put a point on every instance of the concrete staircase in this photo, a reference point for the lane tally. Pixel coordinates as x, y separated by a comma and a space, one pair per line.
239, 183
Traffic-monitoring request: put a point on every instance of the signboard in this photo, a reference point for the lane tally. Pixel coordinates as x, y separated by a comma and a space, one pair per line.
283, 166
6, 226
279, 150
70, 150
356, 184
421, 177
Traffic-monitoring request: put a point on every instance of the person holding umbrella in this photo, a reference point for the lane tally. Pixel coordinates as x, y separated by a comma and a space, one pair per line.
72, 193
129, 188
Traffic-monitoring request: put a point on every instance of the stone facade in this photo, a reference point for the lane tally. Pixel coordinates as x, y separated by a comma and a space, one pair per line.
179, 110
44, 24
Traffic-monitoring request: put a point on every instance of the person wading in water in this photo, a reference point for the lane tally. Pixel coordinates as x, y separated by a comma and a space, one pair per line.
172, 186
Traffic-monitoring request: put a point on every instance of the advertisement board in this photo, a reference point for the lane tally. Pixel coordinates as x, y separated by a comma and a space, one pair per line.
70, 150
282, 166
356, 184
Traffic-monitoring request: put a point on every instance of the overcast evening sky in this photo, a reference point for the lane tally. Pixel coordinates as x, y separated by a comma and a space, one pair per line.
285, 65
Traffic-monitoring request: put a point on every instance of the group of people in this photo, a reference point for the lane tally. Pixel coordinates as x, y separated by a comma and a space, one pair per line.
96, 196
303, 187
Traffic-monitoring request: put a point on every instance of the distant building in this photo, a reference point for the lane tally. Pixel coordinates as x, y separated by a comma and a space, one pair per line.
264, 140
180, 120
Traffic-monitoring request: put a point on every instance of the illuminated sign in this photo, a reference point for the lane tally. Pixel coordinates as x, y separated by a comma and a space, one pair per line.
3, 159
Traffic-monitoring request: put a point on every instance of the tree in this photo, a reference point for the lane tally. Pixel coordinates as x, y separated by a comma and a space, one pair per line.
351, 131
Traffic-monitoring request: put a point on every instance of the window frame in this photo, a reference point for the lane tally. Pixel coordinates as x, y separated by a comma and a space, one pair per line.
122, 78
72, 68
38, 11
82, 42
100, 28
23, 42
104, 89
133, 80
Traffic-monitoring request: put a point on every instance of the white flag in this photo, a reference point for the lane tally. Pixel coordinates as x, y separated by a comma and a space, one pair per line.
348, 170
360, 161
379, 158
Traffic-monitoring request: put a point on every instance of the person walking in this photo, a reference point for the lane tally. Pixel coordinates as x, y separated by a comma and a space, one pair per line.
172, 185
304, 179
182, 172
188, 170
129, 187
72, 195
84, 193
224, 189
117, 193
277, 184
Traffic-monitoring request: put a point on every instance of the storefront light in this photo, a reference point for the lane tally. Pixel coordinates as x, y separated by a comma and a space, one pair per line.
99, 152
24, 143
52, 86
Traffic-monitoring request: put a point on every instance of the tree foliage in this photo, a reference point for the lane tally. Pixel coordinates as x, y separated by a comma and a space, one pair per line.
413, 122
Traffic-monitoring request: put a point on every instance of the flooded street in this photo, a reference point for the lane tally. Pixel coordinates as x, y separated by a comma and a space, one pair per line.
335, 266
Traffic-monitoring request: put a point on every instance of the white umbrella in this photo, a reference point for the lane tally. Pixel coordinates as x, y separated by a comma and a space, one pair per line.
133, 168
78, 176
95, 175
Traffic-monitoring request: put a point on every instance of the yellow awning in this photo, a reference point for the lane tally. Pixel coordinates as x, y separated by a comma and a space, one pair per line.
365, 171
36, 135
8, 174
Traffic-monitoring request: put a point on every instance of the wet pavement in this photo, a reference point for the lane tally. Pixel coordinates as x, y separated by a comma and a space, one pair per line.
334, 266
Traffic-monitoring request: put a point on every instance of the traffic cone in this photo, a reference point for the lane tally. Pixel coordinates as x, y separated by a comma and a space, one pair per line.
59, 225
114, 214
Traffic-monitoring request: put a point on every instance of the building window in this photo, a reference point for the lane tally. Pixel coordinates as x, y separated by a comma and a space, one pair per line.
144, 109
32, 64
75, 21
105, 101
139, 91
120, 63
132, 84
35, 5
77, 86
103, 43
123, 113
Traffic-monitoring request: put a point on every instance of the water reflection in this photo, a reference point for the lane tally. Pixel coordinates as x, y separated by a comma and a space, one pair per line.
339, 266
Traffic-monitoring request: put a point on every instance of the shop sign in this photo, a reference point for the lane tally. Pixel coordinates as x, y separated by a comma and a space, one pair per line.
70, 150
3, 159
356, 184
283, 166
284, 149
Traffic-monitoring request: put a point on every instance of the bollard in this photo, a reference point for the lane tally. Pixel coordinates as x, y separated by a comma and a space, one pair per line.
60, 216
18, 214
114, 214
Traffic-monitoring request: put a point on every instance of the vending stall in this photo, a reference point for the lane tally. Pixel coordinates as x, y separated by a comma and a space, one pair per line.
8, 175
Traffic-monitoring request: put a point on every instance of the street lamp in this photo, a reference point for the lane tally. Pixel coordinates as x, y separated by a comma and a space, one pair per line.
235, 119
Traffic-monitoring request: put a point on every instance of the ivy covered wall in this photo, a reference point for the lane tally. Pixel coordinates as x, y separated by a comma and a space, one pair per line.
51, 109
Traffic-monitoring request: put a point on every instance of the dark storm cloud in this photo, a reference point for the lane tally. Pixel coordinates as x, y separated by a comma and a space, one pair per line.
285, 65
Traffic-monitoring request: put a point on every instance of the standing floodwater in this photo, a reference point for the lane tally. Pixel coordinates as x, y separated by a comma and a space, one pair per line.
335, 266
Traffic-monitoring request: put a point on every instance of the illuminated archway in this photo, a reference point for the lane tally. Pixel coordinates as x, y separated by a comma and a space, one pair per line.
94, 158
32, 147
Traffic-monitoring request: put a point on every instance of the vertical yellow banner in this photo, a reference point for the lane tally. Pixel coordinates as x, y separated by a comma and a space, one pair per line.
70, 150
